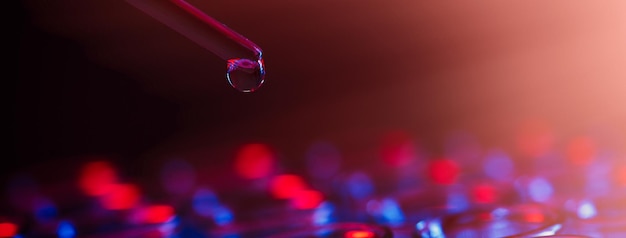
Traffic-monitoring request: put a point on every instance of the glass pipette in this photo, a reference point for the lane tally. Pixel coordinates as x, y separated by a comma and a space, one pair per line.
245, 66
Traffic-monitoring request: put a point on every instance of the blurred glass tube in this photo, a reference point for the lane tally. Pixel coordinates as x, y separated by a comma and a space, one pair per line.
520, 220
200, 28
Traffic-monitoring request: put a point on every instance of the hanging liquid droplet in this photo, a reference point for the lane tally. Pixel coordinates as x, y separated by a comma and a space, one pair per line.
245, 75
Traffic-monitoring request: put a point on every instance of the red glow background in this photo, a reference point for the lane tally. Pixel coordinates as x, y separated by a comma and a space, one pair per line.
102, 78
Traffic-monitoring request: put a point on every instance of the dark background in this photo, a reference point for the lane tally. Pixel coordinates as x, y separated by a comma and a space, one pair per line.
102, 78
67, 106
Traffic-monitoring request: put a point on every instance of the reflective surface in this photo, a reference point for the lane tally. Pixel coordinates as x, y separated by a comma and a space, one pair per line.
516, 221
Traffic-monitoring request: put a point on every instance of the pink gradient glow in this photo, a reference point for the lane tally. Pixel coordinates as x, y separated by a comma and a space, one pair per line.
359, 234
8, 229
581, 151
97, 178
121, 197
398, 149
443, 171
155, 214
254, 161
307, 199
485, 193
287, 186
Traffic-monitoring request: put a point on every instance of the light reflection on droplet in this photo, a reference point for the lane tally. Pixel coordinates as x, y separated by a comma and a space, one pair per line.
245, 75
